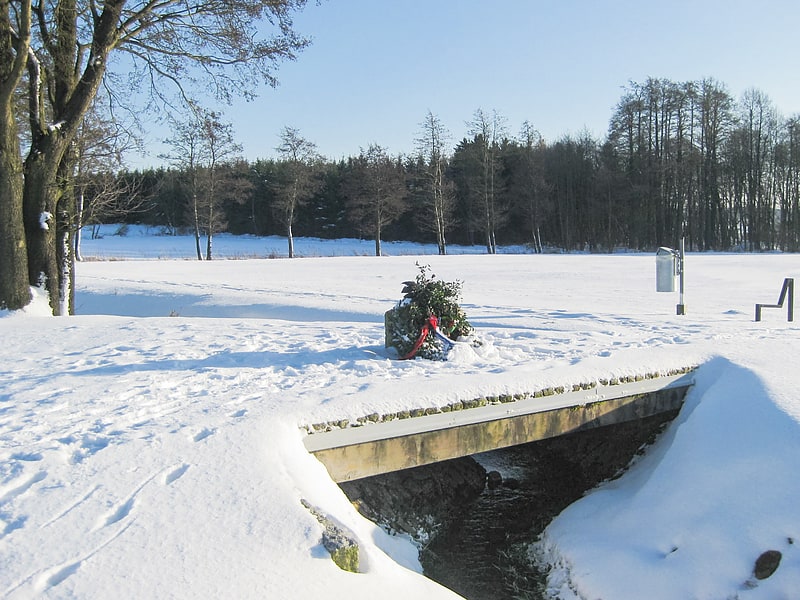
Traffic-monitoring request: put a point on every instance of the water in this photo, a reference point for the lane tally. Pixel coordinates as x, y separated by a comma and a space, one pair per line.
482, 554
479, 548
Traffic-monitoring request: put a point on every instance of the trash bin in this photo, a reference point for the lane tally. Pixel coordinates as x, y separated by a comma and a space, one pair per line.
666, 269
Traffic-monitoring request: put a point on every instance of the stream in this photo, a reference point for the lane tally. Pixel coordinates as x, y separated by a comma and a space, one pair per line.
482, 553
476, 535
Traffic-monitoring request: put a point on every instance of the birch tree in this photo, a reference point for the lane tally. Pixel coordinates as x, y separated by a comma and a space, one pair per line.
299, 178
200, 146
432, 148
488, 130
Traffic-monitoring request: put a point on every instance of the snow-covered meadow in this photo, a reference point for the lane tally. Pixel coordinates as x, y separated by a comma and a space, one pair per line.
151, 445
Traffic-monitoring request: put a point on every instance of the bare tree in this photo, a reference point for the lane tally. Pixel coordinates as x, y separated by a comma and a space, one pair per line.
759, 123
299, 178
200, 147
432, 147
530, 184
99, 193
488, 131
188, 156
221, 148
376, 191
67, 58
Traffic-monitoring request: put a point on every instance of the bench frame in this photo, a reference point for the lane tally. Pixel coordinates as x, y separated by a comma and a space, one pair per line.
786, 290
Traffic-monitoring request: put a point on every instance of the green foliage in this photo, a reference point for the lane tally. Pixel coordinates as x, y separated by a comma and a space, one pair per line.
426, 296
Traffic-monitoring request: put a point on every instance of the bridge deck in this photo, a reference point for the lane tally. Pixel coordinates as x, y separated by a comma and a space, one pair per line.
356, 452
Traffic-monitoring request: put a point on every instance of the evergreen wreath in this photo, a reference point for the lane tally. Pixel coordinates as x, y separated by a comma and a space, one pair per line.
424, 297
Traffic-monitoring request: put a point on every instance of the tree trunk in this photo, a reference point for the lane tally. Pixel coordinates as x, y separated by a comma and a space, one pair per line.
210, 233
209, 244
15, 292
489, 232
196, 227
290, 219
65, 230
65, 258
79, 204
440, 218
40, 202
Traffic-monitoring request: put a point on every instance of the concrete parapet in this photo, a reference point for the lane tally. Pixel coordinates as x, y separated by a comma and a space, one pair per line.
354, 453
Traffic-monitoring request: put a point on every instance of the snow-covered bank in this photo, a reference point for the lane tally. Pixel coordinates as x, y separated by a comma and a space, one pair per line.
149, 455
692, 516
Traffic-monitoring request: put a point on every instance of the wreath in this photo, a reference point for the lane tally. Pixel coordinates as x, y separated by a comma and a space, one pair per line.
428, 315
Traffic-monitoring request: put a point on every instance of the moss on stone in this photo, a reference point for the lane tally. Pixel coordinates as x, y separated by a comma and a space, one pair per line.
346, 558
340, 544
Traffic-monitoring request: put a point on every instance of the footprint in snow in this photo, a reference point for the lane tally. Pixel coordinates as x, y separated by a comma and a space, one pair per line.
120, 512
124, 508
14, 491
203, 434
27, 456
175, 474
60, 574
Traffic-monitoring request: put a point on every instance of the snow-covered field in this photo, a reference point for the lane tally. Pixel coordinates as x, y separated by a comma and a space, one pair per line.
151, 446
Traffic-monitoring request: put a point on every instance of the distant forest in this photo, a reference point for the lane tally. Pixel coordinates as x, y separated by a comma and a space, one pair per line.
679, 160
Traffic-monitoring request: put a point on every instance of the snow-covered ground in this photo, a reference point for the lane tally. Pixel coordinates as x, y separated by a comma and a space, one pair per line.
151, 446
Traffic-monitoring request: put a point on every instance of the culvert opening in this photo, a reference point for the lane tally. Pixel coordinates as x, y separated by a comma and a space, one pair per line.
473, 518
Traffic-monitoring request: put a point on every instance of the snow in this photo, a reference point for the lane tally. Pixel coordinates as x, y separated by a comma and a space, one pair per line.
44, 220
152, 445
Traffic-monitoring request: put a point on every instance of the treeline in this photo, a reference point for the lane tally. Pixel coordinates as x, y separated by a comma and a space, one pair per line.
679, 160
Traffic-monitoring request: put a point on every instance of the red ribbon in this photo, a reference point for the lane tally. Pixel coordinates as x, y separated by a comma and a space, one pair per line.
430, 325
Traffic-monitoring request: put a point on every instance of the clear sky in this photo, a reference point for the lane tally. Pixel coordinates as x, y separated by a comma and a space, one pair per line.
375, 67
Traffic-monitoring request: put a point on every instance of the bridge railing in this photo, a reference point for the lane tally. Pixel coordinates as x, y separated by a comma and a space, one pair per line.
787, 293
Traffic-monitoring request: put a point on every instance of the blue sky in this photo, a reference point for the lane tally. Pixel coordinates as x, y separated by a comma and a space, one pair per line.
376, 67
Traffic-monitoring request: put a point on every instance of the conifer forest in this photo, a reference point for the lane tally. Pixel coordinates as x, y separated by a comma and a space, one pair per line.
679, 160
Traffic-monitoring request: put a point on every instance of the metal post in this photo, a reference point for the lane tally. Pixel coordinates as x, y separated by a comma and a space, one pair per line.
681, 308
